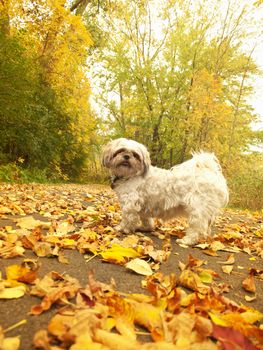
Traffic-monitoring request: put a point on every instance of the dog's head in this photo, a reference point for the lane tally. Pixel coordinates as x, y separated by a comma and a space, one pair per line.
126, 158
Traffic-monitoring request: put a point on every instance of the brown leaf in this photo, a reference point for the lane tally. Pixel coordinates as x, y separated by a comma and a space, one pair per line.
43, 249
191, 280
230, 260
210, 252
249, 283
41, 340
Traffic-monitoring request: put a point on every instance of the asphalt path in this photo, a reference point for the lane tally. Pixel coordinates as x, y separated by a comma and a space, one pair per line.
15, 310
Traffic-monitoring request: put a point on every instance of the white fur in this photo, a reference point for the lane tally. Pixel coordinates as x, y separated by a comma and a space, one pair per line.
196, 189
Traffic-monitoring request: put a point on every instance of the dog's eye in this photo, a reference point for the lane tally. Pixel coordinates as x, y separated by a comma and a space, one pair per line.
118, 152
136, 155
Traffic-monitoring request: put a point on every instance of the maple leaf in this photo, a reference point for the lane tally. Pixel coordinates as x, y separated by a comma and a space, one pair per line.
53, 288
232, 339
149, 316
191, 280
22, 273
160, 285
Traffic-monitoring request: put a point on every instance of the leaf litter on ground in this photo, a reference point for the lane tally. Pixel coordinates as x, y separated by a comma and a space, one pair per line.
184, 312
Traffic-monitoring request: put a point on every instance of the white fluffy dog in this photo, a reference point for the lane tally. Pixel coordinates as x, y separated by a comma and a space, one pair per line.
196, 189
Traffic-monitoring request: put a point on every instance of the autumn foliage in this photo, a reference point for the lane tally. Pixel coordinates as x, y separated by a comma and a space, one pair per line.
188, 308
44, 88
177, 76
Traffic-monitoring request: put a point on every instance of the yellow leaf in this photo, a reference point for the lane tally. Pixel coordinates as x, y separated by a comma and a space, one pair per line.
251, 316
217, 320
250, 298
227, 269
140, 266
112, 208
84, 342
14, 272
43, 249
206, 277
12, 343
13, 293
149, 316
115, 341
216, 245
68, 242
119, 254
28, 222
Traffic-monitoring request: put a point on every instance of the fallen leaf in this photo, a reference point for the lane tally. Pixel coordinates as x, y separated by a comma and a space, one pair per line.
217, 245
249, 283
29, 222
140, 266
210, 252
21, 273
230, 260
250, 298
119, 254
231, 338
206, 277
13, 293
11, 343
191, 280
43, 249
227, 269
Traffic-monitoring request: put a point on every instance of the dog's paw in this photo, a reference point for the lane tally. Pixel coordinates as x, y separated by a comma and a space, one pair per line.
118, 228
187, 241
144, 229
122, 229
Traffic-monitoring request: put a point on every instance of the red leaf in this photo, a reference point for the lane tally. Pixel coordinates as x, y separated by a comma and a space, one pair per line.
231, 339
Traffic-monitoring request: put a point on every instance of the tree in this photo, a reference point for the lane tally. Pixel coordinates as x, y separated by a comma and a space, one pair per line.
182, 87
51, 82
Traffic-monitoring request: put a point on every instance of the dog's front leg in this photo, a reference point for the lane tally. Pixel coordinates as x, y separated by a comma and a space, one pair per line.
130, 221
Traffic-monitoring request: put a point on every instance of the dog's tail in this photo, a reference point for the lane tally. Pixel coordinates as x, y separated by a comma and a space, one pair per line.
204, 160
200, 160
207, 160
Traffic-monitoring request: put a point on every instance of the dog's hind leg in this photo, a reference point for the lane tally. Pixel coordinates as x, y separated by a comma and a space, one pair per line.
147, 224
198, 227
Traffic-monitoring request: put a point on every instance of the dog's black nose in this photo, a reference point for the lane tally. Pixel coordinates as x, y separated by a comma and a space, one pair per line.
126, 157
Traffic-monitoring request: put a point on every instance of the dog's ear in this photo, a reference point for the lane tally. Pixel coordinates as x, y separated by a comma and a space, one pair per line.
146, 160
106, 155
